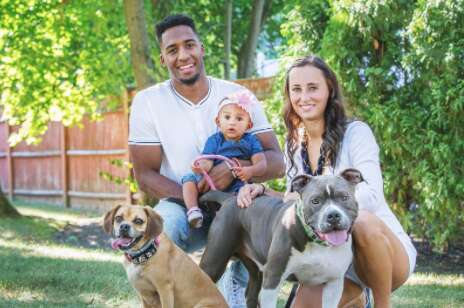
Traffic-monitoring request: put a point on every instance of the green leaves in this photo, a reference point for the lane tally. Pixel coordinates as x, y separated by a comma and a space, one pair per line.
58, 60
128, 181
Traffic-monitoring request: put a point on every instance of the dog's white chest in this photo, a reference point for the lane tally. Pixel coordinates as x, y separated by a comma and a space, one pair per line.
134, 272
318, 264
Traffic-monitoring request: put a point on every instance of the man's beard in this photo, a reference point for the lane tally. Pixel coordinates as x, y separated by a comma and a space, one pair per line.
190, 81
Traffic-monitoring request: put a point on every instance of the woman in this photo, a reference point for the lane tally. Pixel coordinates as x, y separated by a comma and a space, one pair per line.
321, 140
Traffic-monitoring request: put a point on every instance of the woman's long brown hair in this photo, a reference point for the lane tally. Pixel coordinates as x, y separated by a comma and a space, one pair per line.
334, 115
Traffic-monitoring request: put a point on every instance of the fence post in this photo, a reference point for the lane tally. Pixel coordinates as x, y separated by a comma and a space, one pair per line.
64, 165
9, 162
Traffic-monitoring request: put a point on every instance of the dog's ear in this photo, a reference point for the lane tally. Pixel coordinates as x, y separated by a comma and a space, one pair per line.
299, 182
108, 219
353, 176
154, 223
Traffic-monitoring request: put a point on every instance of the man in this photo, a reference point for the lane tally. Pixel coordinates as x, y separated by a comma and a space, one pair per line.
169, 124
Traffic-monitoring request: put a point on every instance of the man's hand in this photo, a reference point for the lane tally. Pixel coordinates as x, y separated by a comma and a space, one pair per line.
243, 173
221, 177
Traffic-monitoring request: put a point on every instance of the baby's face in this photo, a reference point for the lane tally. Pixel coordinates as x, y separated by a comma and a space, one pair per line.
233, 121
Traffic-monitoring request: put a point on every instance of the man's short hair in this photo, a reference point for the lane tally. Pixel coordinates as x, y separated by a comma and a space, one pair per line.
173, 21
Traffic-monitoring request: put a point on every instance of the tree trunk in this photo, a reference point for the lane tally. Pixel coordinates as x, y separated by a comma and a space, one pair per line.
142, 64
6, 209
247, 54
227, 38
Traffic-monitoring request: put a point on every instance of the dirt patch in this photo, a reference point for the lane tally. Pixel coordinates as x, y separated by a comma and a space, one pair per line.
430, 261
87, 235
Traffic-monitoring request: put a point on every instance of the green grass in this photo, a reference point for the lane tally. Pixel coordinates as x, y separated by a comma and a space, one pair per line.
431, 290
37, 272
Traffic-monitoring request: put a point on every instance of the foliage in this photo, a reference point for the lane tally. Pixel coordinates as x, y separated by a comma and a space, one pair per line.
209, 17
400, 64
56, 58
61, 59
128, 181
436, 65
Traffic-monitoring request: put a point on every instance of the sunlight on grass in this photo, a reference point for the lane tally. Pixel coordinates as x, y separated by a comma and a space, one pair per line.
60, 252
23, 295
436, 279
57, 213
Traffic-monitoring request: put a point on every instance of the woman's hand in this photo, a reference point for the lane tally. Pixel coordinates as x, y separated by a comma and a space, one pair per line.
247, 193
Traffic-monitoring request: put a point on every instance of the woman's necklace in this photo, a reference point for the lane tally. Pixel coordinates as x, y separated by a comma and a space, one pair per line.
306, 161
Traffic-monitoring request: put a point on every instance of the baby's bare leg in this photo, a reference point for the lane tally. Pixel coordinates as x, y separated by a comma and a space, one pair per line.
190, 194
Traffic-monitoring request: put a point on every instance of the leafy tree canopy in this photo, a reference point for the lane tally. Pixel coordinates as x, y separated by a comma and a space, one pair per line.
62, 59
58, 60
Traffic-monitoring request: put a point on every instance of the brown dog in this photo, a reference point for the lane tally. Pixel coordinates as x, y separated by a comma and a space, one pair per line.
161, 273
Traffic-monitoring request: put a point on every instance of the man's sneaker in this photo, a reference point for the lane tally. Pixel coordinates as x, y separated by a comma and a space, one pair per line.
236, 296
232, 291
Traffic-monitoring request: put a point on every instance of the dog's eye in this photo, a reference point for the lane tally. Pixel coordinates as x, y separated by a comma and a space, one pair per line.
315, 201
138, 221
118, 219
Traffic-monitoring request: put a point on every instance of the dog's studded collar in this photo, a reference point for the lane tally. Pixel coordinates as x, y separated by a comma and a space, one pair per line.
143, 254
312, 236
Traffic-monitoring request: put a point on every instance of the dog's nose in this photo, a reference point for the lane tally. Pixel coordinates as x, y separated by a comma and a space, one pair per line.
124, 229
334, 217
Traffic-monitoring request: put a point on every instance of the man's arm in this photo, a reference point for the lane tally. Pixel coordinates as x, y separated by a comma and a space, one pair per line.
222, 176
274, 157
257, 168
147, 163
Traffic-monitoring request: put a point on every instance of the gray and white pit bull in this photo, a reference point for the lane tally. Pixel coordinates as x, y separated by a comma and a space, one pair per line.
315, 249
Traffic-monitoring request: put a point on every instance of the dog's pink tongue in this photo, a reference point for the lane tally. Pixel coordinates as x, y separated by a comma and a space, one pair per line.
117, 243
335, 238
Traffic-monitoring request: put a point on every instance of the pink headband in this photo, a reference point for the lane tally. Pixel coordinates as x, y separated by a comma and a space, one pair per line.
244, 99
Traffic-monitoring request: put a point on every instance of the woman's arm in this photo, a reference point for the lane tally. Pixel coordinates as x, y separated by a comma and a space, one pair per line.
364, 156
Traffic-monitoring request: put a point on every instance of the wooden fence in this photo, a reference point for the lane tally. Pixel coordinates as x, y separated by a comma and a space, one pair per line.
64, 169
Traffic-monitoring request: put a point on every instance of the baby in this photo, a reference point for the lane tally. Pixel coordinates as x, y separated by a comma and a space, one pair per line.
232, 141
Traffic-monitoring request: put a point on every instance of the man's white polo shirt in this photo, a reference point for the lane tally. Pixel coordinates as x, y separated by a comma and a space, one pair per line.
161, 116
